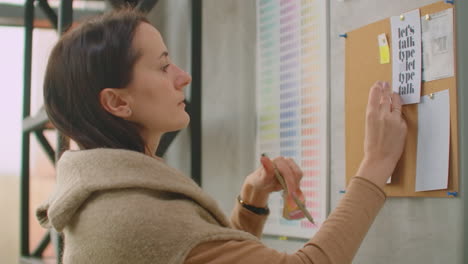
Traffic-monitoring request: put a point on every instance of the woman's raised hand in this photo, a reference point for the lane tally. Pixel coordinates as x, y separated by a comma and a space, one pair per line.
385, 134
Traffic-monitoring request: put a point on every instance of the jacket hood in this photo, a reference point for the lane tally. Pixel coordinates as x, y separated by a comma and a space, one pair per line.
84, 172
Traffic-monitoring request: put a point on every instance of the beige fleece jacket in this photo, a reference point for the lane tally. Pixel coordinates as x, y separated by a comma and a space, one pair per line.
120, 206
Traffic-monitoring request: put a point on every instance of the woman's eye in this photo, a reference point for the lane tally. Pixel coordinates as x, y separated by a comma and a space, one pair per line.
165, 67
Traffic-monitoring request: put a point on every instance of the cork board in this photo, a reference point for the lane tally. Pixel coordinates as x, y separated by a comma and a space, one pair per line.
363, 69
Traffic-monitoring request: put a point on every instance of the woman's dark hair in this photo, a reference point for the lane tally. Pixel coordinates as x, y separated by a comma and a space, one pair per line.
95, 55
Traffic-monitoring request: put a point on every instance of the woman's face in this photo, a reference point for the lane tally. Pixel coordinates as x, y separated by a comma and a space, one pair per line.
156, 92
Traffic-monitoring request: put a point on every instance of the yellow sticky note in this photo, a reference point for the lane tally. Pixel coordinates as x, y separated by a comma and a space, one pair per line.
384, 49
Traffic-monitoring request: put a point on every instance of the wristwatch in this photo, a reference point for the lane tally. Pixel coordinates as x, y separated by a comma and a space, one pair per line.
253, 209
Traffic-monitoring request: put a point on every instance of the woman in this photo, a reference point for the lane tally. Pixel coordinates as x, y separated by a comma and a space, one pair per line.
111, 87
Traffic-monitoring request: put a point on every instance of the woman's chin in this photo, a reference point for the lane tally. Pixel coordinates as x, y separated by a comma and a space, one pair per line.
183, 123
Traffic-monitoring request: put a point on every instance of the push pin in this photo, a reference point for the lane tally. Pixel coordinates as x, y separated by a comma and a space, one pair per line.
402, 17
431, 95
428, 17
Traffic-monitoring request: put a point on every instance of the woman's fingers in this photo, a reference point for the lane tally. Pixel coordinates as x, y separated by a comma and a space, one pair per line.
297, 171
286, 172
386, 100
267, 165
298, 177
374, 97
396, 103
291, 173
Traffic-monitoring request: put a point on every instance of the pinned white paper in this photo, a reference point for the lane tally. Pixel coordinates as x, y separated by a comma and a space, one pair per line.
406, 56
432, 161
437, 44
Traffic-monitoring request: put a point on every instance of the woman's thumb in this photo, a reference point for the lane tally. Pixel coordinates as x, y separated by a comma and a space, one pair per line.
267, 164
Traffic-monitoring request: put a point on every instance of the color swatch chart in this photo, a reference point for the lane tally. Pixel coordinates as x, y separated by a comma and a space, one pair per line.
292, 101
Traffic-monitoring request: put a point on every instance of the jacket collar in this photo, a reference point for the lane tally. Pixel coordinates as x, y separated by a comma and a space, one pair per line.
82, 173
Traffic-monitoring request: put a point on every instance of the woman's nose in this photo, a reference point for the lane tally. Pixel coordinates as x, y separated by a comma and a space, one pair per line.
182, 79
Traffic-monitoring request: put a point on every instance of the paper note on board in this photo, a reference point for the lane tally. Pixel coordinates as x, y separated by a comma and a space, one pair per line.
437, 45
384, 50
406, 56
432, 160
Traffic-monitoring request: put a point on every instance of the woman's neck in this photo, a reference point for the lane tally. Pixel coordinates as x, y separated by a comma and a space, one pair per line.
151, 144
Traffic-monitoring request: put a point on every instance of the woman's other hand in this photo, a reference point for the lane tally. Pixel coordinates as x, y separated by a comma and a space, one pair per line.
385, 134
259, 184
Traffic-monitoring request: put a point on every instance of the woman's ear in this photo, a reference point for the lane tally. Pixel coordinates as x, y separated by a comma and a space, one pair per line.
115, 102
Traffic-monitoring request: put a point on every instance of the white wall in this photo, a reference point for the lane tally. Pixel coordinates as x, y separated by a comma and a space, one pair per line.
11, 75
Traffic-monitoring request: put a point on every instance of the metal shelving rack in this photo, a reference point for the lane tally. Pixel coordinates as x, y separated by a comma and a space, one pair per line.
38, 123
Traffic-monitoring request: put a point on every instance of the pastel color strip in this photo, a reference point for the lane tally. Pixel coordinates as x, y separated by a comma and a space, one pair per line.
287, 37
288, 9
288, 95
307, 225
306, 10
289, 104
289, 85
289, 55
309, 184
289, 114
310, 153
270, 136
288, 124
268, 127
286, 76
312, 204
269, 108
310, 110
310, 120
289, 133
267, 28
286, 19
285, 222
311, 173
284, 2
288, 46
265, 2
266, 9
309, 100
310, 163
305, 2
288, 66
287, 143
288, 153
310, 142
310, 194
287, 28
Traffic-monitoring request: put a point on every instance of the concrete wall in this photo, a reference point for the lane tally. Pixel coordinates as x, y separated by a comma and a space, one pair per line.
407, 230
416, 230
